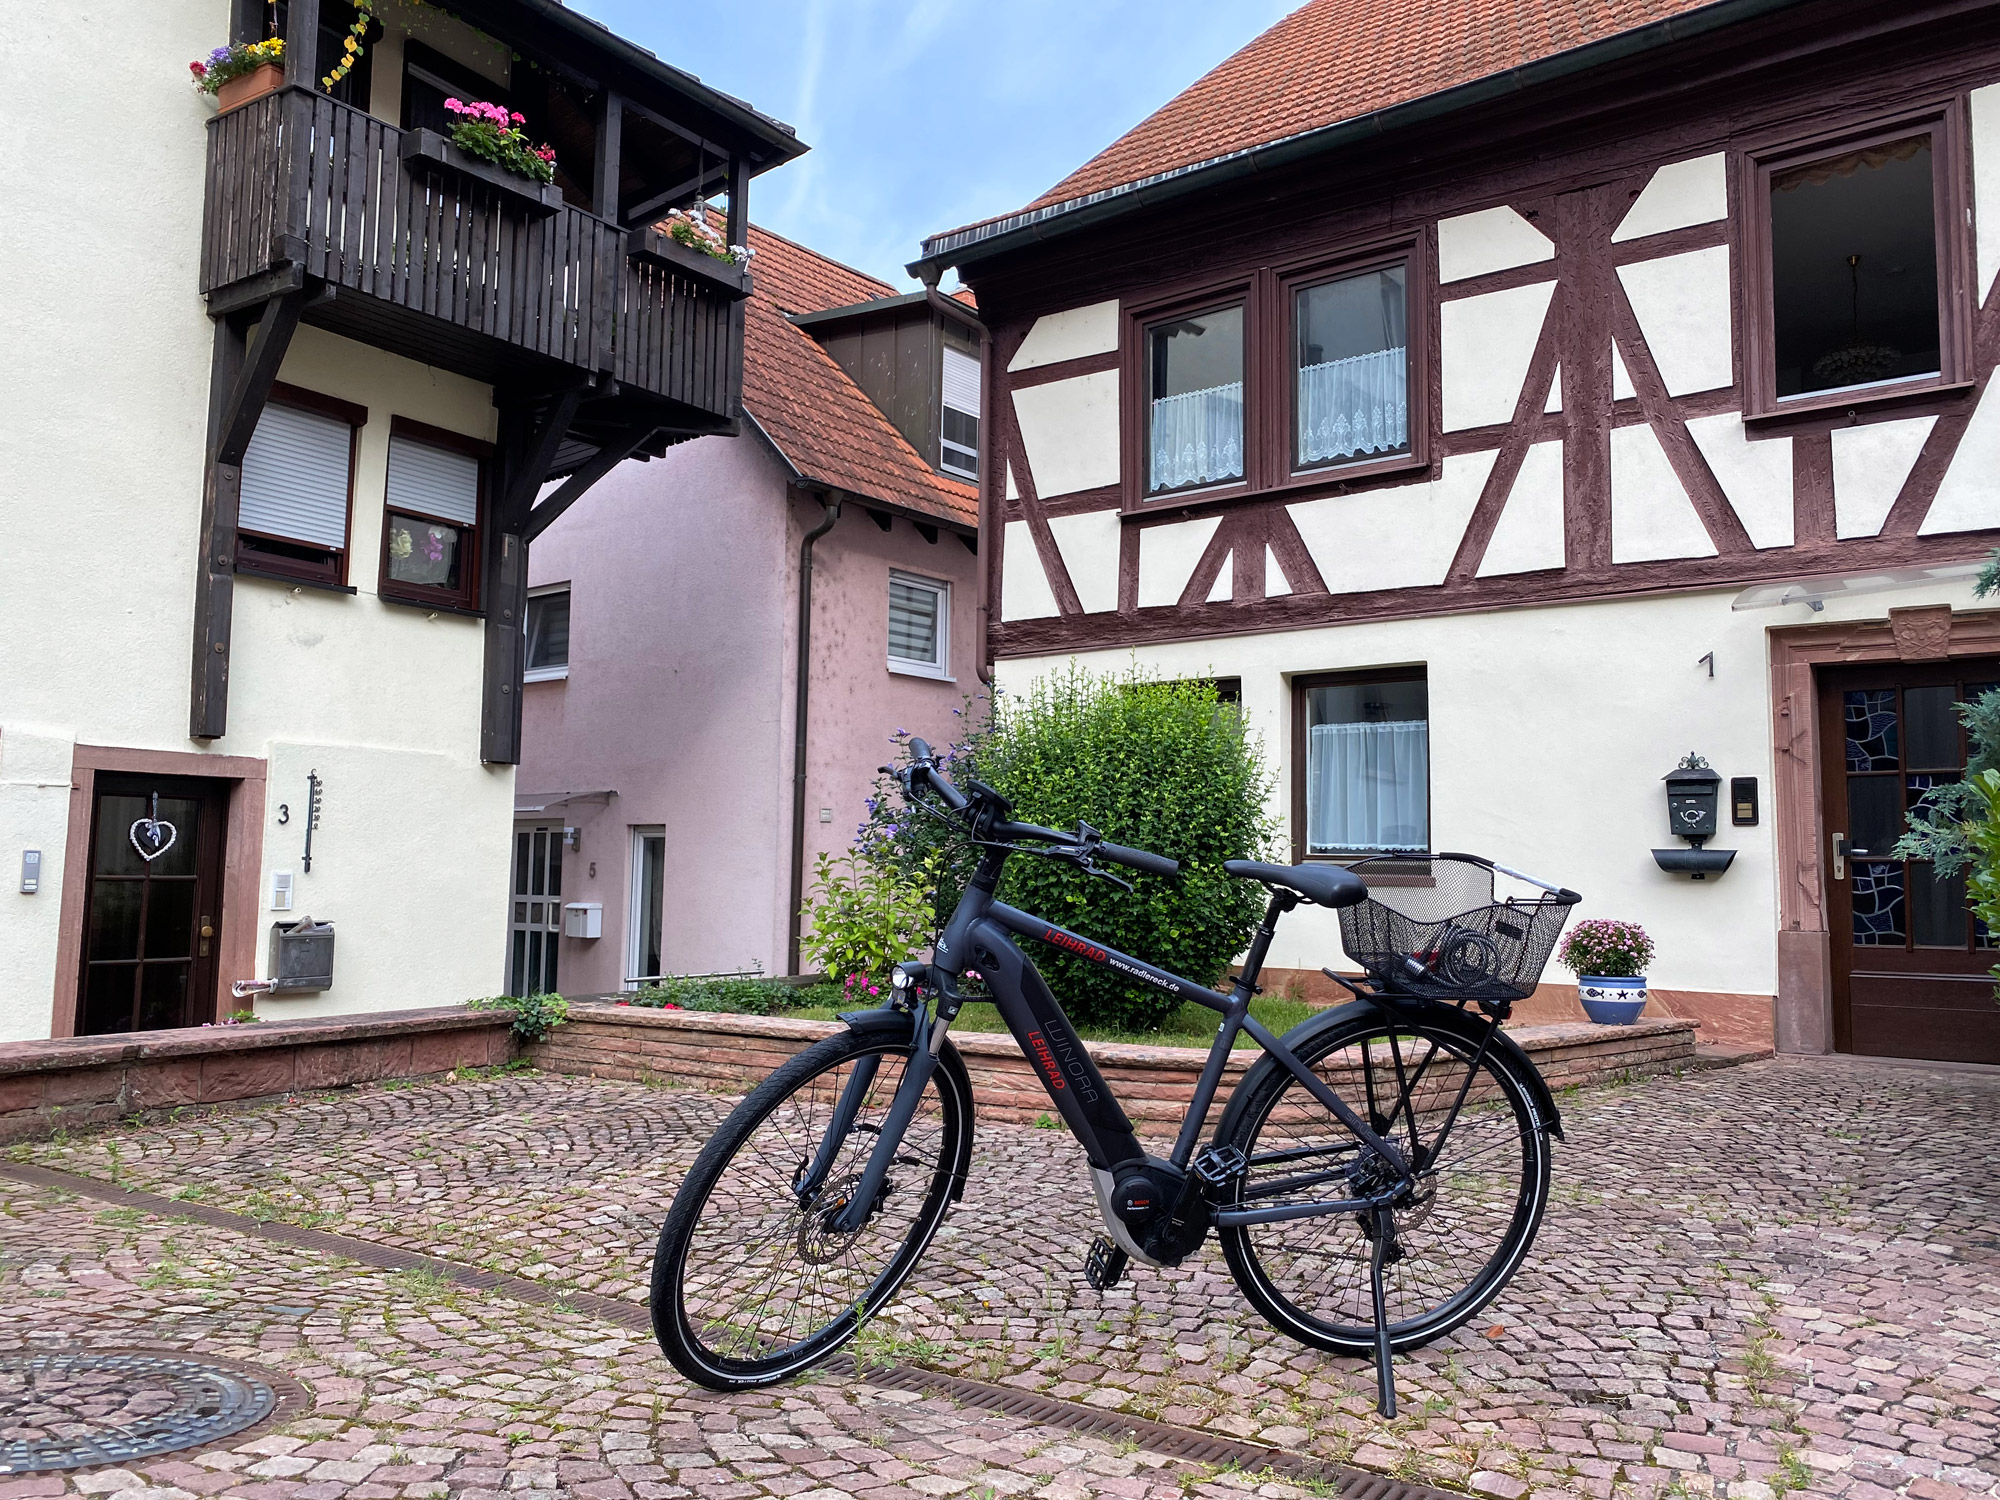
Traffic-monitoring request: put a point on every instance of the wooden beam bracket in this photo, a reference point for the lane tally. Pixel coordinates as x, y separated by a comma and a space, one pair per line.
612, 454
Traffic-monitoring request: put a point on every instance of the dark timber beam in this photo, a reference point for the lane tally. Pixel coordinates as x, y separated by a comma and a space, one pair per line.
527, 451
643, 212
609, 457
240, 378
739, 200
610, 140
302, 43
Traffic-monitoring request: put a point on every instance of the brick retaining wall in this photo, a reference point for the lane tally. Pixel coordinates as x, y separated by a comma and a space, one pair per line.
91, 1080
727, 1053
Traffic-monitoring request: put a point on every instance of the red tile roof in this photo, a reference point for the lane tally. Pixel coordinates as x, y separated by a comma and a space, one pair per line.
1336, 60
806, 404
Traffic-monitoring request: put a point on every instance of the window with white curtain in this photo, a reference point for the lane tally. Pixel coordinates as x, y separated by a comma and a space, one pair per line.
958, 448
1351, 358
297, 477
919, 625
1367, 771
1194, 393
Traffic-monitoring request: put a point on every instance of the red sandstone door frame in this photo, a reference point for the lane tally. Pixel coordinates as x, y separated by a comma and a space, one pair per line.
1924, 633
242, 904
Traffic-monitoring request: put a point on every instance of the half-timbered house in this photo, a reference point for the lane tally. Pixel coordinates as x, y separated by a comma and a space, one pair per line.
1513, 398
291, 386
721, 643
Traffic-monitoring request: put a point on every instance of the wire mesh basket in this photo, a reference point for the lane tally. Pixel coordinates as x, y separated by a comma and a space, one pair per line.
1442, 933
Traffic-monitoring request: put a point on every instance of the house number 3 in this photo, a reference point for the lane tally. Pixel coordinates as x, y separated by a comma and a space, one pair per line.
284, 812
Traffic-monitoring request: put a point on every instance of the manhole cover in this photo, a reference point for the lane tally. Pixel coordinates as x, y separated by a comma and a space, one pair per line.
73, 1410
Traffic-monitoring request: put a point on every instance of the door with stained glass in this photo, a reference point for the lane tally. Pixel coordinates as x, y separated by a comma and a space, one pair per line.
154, 904
1911, 964
534, 926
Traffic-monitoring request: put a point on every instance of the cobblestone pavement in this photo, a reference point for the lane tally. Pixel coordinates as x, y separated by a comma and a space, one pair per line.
1784, 1277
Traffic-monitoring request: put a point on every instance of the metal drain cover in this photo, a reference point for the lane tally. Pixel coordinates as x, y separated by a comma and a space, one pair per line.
76, 1409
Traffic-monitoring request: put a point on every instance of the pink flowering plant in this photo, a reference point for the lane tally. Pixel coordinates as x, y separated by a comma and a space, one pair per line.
493, 133
1607, 949
222, 65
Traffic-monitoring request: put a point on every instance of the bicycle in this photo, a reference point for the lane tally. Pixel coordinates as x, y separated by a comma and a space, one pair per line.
1376, 1178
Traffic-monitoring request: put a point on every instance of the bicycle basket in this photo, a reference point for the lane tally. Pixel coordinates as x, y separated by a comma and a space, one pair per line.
1444, 935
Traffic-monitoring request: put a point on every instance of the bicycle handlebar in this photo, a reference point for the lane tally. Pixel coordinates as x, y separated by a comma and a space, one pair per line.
923, 763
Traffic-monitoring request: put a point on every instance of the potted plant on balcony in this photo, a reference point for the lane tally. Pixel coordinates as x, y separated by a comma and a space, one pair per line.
493, 134
237, 74
1609, 959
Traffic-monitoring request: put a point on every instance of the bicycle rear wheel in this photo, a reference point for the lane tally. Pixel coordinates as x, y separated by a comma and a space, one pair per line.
1458, 1236
750, 1284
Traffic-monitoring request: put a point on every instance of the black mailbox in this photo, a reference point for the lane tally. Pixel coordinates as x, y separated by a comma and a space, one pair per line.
1693, 795
1691, 800
302, 955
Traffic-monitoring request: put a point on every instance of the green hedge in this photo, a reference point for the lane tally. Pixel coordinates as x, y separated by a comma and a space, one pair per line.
1164, 766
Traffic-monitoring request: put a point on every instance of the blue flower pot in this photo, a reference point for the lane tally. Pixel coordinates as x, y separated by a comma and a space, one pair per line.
1611, 1002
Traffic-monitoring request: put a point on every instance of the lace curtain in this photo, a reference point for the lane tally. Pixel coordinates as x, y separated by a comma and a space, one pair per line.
1368, 786
1350, 406
1198, 436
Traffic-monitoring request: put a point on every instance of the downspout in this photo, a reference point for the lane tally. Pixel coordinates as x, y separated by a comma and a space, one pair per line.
830, 508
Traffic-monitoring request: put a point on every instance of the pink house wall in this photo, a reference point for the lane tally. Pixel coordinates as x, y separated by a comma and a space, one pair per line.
683, 610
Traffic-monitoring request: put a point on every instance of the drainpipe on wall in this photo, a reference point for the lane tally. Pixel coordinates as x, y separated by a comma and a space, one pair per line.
830, 506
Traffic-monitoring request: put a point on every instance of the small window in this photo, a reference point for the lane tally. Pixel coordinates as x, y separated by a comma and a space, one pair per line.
1194, 394
547, 627
1366, 787
1350, 357
1854, 269
919, 626
959, 448
430, 529
298, 482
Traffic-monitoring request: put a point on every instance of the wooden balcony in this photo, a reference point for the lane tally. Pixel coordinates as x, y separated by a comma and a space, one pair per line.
455, 263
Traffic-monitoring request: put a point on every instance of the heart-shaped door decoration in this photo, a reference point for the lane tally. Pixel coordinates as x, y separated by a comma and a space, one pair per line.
153, 836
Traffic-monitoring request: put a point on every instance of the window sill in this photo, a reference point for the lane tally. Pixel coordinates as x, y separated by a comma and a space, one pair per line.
272, 575
1888, 398
430, 606
546, 674
915, 669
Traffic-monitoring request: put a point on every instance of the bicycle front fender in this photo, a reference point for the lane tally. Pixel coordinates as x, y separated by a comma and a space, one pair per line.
1446, 1017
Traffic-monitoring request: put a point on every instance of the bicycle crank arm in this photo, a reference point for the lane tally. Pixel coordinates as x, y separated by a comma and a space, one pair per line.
1228, 1217
902, 1110
851, 1098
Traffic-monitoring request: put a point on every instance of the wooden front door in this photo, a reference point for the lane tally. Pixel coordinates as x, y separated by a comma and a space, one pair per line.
1911, 964
154, 906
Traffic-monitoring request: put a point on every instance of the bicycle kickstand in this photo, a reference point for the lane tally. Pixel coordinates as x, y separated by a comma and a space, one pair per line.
1385, 1376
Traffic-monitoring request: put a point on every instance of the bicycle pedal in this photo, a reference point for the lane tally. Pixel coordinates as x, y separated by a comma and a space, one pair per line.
1220, 1169
1104, 1266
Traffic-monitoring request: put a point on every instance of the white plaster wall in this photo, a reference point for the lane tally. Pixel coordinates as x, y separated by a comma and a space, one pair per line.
1494, 239
1089, 546
1651, 515
1550, 730
1968, 499
1986, 183
1167, 557
1530, 533
1024, 584
1398, 538
100, 498
1680, 194
1074, 333
1870, 465
1682, 303
1755, 475
1069, 429
1487, 343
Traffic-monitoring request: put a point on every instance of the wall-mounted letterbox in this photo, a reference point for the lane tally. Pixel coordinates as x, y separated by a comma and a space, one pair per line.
583, 919
1693, 795
302, 955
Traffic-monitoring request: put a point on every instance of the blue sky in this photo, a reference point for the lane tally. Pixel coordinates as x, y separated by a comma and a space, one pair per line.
927, 114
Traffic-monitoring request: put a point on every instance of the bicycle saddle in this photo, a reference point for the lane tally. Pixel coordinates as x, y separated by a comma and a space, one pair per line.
1325, 885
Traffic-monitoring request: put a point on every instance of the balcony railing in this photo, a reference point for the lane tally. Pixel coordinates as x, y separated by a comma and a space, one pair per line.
453, 262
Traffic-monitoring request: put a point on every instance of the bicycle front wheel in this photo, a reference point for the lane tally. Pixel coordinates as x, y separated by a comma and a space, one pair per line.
752, 1280
1481, 1185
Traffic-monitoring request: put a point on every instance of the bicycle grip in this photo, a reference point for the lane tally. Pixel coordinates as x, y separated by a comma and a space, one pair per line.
1137, 859
919, 750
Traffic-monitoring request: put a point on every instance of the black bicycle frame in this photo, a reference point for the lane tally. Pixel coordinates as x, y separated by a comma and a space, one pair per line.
977, 939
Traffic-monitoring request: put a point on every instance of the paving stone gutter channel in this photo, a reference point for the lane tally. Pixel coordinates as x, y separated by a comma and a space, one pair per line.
1159, 1437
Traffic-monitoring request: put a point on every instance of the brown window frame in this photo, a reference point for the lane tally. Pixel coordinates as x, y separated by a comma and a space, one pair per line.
1943, 121
1302, 684
303, 562
465, 598
1267, 295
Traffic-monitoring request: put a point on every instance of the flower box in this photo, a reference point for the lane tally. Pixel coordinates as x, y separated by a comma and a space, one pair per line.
428, 145
725, 276
252, 85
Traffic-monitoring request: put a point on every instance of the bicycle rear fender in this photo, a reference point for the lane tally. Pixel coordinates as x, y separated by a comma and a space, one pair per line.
1447, 1017
899, 1022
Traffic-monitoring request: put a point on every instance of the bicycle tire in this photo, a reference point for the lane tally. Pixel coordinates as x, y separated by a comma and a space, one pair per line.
741, 1263
1461, 1240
